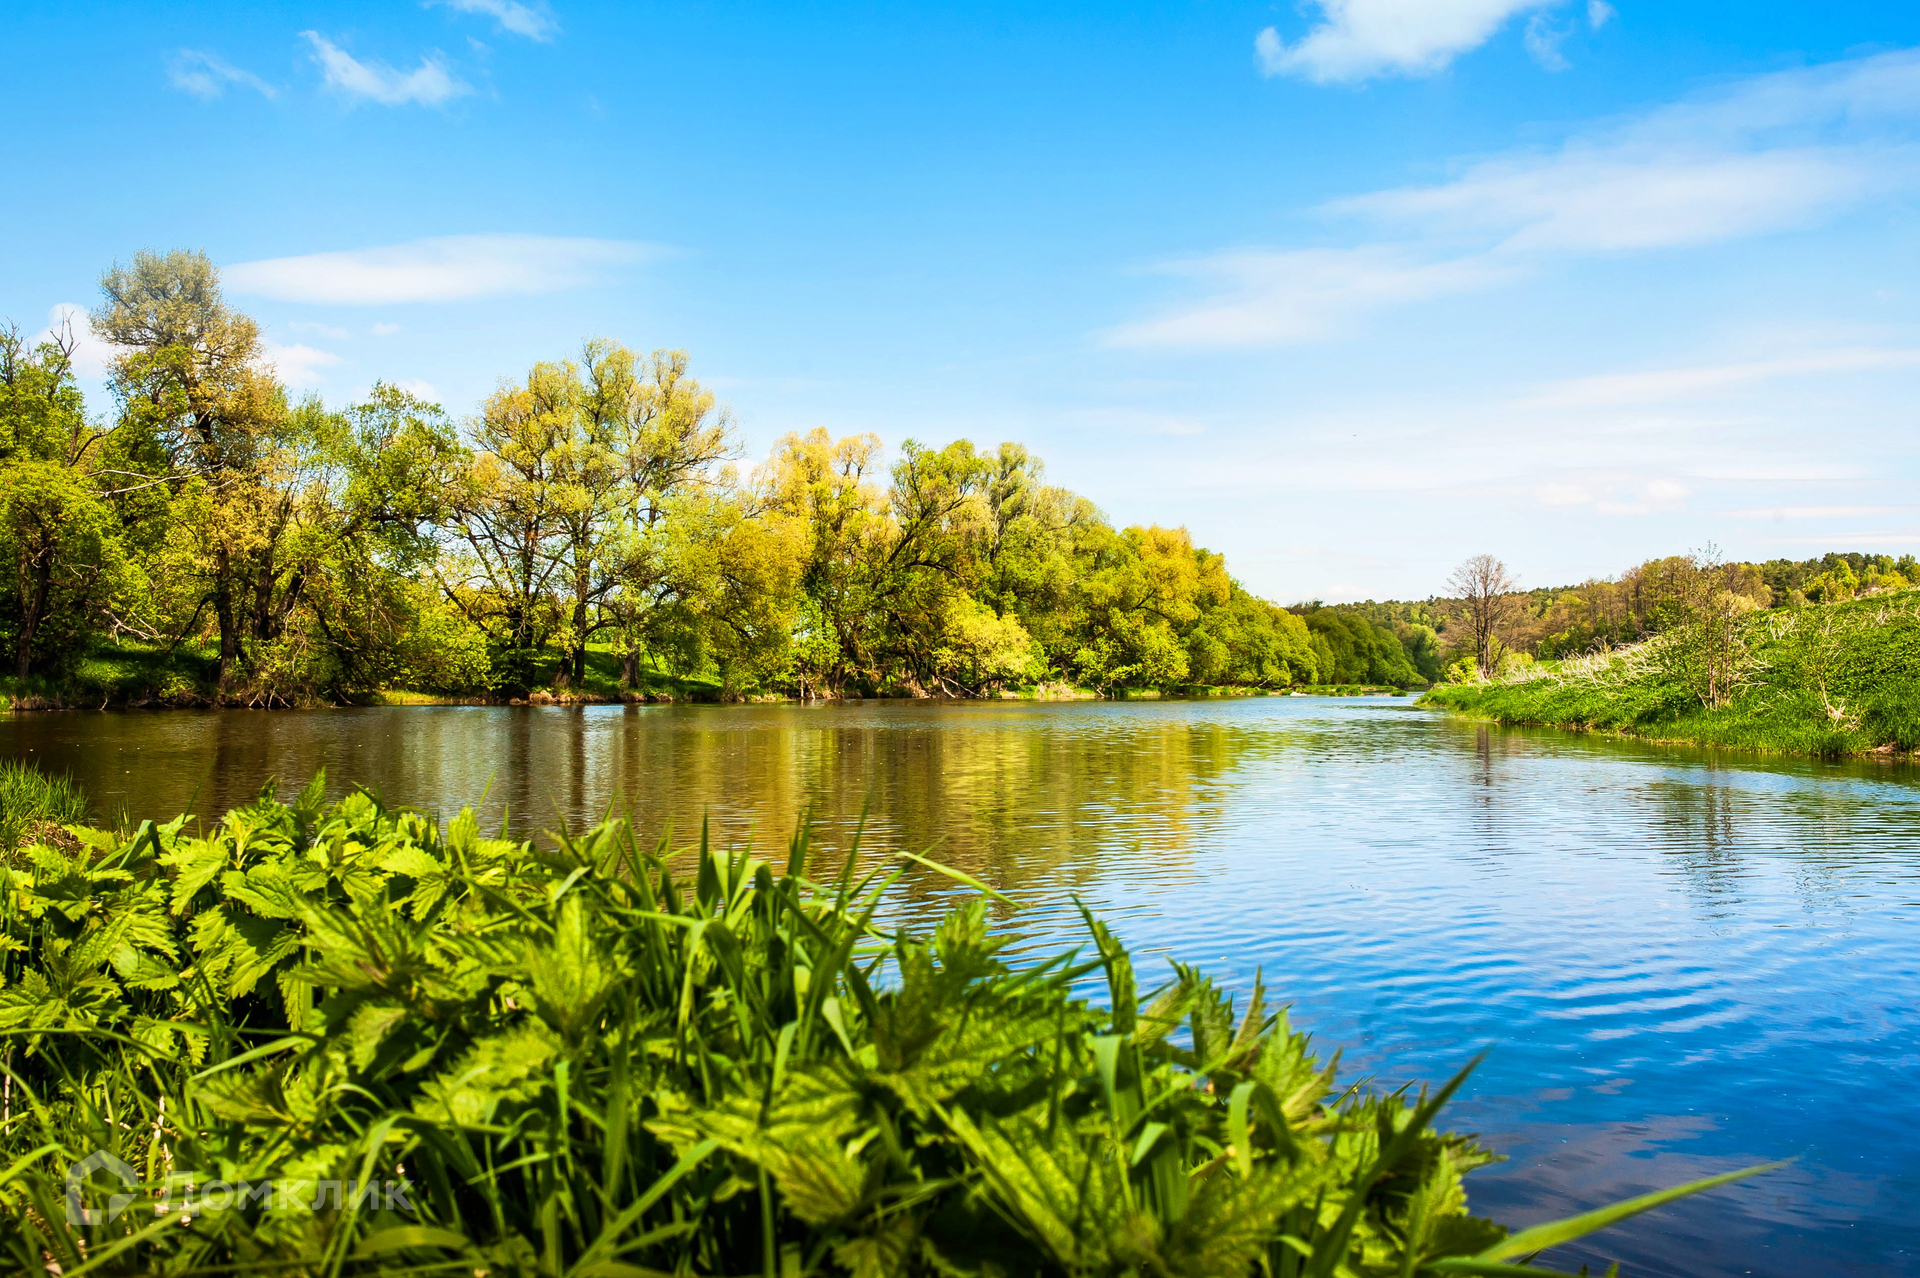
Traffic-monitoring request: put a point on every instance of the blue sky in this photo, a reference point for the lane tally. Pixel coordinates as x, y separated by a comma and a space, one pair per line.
1353, 288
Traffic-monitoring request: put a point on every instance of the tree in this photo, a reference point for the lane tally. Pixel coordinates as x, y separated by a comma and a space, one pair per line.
1485, 586
509, 522
827, 486
59, 538
671, 444
191, 381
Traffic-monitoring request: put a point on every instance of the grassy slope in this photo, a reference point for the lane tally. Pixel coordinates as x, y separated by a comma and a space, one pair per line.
1830, 680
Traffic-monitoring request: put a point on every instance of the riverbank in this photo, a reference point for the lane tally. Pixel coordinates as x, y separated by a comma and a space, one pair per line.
1832, 681
138, 678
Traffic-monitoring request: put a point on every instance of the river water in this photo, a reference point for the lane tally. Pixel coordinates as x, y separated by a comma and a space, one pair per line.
1683, 962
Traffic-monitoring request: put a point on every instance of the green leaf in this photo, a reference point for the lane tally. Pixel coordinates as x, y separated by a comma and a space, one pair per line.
400, 1237
1554, 1233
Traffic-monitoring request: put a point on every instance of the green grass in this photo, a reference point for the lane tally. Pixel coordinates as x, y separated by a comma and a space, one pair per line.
31, 802
1832, 680
119, 675
596, 1059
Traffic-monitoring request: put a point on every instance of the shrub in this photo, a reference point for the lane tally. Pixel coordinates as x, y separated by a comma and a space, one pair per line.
581, 1063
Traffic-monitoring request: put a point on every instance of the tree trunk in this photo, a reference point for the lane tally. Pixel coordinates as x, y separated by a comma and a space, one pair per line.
32, 606
264, 622
223, 610
579, 655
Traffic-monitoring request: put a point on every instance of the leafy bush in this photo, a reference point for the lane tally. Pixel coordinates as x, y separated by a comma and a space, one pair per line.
581, 1063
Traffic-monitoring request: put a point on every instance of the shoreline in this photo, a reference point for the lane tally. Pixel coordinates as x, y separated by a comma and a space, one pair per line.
40, 703
1885, 752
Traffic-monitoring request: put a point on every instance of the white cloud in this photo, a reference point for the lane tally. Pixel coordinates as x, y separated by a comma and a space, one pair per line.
384, 329
1656, 495
1816, 512
1563, 495
444, 269
1599, 13
1358, 39
207, 75
420, 390
1543, 40
535, 22
333, 331
1606, 198
68, 322
1280, 296
1666, 384
1768, 154
298, 364
429, 84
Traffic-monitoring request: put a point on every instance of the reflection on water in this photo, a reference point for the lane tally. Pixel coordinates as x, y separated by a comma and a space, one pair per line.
1683, 962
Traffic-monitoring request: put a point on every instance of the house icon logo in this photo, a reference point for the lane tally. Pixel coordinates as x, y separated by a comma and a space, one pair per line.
99, 1160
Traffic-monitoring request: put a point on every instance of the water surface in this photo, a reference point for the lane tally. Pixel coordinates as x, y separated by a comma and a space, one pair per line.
1683, 962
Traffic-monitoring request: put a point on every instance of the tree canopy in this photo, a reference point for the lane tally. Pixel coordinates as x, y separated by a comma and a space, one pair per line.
593, 505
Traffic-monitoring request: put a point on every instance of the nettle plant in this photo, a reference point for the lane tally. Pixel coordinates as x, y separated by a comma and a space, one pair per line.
578, 1061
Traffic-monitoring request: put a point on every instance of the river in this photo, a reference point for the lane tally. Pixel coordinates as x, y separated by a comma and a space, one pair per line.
1682, 962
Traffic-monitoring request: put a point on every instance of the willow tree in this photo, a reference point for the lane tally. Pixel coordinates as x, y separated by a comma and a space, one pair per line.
193, 383
564, 521
829, 487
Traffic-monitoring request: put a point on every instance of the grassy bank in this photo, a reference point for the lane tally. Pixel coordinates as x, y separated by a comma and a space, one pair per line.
1829, 680
34, 807
346, 1040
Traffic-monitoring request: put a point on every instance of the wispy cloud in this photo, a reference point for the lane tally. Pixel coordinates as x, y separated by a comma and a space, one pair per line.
297, 364
207, 75
333, 331
1816, 512
429, 84
1543, 40
1664, 385
1360, 39
535, 22
1273, 297
1768, 154
444, 269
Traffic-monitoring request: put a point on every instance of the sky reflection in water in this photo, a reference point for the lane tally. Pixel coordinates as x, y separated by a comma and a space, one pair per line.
1683, 962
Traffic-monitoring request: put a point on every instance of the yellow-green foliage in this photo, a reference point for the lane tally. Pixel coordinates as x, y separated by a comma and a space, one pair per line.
1828, 680
583, 1063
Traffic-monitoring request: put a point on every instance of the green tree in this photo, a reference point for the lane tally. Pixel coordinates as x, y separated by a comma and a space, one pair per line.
59, 538
192, 383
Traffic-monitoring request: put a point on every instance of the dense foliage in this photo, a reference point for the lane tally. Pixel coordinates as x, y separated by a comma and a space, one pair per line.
575, 1062
1648, 599
1834, 679
590, 525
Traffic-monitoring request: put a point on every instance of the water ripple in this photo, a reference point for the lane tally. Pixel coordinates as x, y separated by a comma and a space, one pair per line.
1684, 962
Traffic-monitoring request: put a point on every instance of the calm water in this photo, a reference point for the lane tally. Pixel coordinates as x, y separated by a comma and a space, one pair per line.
1684, 963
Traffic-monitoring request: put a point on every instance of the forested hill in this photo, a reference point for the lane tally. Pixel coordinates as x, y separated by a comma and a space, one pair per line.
1646, 600
593, 525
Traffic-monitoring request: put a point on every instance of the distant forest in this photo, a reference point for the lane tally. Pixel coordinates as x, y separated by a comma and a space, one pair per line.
1546, 623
